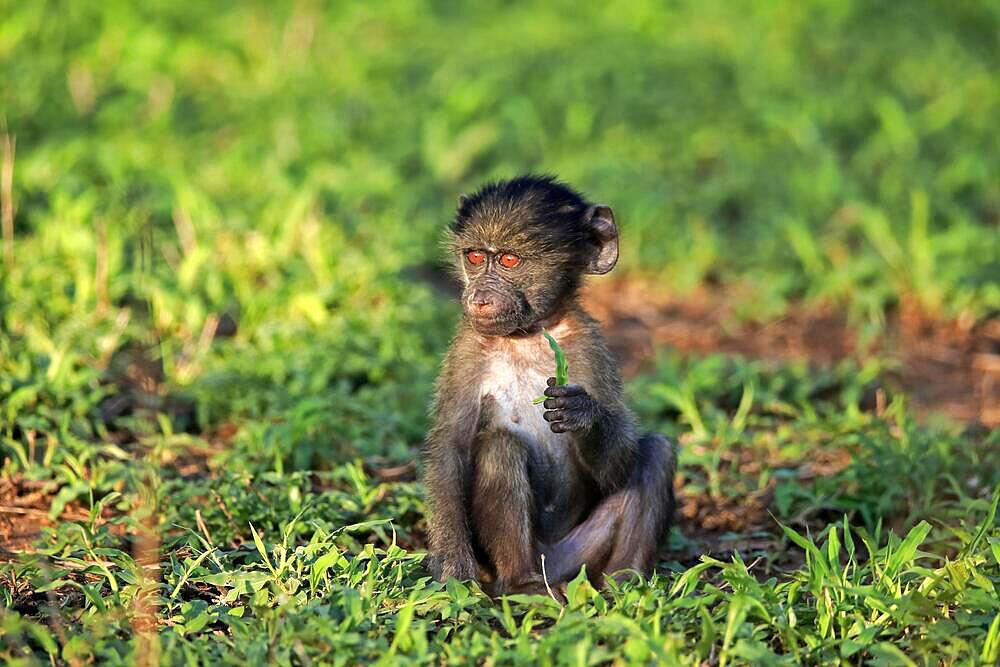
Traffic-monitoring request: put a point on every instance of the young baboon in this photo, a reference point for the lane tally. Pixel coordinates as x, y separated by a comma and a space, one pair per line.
509, 481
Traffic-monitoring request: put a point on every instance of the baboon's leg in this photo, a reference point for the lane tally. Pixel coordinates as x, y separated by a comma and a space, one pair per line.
502, 507
646, 515
625, 529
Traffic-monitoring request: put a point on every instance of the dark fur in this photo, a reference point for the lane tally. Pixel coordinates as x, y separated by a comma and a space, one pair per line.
501, 492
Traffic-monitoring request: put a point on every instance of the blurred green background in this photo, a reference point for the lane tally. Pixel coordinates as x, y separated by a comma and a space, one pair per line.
219, 208
839, 150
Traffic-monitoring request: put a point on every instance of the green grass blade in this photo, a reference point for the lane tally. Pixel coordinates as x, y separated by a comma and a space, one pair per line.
908, 547
991, 647
562, 367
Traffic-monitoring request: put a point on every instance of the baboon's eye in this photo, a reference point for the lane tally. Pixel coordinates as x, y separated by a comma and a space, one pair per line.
509, 261
475, 256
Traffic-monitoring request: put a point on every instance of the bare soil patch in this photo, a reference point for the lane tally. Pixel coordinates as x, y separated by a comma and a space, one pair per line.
24, 512
944, 367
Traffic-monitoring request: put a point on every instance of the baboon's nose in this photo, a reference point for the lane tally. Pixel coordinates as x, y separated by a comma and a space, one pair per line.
482, 303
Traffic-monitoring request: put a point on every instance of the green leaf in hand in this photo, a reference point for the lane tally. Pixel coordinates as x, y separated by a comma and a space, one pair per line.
562, 368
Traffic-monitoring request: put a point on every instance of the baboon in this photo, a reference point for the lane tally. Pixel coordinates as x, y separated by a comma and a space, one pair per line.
509, 481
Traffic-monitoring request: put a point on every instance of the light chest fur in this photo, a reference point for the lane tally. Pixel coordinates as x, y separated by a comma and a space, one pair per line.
515, 374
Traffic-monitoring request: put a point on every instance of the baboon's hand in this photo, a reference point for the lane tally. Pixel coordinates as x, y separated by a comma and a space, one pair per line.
569, 408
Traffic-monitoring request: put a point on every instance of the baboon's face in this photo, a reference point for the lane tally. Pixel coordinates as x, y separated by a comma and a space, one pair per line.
511, 286
521, 247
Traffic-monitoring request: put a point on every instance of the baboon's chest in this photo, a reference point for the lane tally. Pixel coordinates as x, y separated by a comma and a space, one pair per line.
514, 376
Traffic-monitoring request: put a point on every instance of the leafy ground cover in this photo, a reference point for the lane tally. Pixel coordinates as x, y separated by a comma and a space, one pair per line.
220, 318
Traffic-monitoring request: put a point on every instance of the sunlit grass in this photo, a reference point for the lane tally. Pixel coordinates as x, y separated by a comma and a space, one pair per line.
211, 352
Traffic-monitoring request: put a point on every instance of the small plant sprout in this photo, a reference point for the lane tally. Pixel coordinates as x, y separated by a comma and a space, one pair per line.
562, 368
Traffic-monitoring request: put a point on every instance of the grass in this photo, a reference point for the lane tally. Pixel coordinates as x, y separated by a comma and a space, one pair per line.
215, 360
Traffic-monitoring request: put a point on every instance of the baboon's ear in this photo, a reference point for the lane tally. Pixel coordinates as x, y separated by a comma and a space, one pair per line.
462, 198
604, 237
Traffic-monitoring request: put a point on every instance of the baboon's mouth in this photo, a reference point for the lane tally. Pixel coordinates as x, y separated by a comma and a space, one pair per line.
496, 325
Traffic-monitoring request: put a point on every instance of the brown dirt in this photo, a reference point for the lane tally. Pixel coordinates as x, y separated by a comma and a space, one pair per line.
24, 512
944, 367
